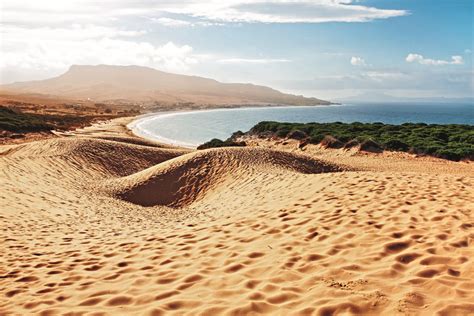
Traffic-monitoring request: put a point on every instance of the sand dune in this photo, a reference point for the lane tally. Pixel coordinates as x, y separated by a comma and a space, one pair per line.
107, 157
230, 231
182, 181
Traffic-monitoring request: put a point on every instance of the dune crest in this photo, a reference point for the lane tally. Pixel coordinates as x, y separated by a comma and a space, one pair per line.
181, 181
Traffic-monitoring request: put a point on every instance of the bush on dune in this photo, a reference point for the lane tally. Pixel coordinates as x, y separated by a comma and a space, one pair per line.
331, 142
351, 144
370, 145
216, 143
448, 141
297, 134
396, 145
20, 122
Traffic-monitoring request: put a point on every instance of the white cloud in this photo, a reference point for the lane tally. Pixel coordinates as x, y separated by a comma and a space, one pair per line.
261, 11
53, 50
252, 61
381, 76
172, 22
284, 11
73, 32
455, 60
52, 34
357, 61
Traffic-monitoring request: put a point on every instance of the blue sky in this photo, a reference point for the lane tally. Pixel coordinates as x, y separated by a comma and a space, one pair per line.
322, 48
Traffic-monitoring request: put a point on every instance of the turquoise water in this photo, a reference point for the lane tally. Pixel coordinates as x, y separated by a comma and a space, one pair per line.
194, 128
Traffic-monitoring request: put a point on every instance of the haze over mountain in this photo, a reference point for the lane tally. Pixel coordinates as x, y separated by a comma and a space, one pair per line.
106, 83
372, 97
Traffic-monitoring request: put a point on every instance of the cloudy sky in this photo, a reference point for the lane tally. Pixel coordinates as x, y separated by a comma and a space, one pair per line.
322, 48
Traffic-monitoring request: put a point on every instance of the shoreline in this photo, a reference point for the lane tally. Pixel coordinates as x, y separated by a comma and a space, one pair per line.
136, 131
172, 142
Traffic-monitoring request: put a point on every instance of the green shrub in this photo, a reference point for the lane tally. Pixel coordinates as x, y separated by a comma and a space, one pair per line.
449, 141
282, 132
19, 122
331, 142
297, 134
395, 144
316, 139
216, 143
351, 144
370, 145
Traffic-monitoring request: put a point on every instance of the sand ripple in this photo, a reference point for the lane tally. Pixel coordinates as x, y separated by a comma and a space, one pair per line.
95, 226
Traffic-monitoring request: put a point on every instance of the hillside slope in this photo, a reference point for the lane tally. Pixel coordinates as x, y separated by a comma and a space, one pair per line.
141, 84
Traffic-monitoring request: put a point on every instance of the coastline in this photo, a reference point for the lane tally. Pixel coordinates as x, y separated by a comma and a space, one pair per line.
191, 128
136, 130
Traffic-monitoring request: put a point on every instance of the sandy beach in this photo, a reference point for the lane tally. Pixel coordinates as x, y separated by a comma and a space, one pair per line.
101, 222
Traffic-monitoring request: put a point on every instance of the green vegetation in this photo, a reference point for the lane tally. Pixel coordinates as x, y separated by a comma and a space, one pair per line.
450, 141
20, 122
215, 143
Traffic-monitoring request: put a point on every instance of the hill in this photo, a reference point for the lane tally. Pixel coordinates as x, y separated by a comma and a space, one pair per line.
105, 83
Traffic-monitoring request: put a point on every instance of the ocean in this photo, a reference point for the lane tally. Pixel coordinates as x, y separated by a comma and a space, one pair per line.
193, 128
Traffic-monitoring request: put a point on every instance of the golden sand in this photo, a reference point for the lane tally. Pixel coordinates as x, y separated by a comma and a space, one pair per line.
103, 223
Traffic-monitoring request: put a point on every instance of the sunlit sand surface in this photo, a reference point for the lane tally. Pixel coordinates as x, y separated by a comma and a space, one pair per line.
94, 224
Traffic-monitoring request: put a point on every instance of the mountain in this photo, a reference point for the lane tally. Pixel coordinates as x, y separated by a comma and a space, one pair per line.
375, 97
106, 83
